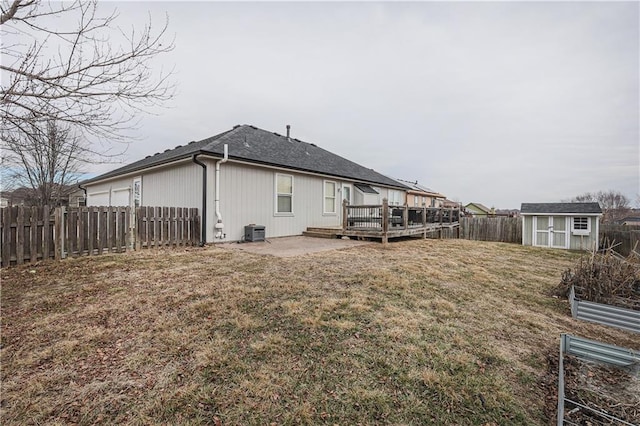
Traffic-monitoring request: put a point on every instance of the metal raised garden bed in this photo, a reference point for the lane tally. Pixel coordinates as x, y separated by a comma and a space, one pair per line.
623, 318
599, 353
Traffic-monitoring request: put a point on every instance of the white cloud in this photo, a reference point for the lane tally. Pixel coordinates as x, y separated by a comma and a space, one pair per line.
499, 103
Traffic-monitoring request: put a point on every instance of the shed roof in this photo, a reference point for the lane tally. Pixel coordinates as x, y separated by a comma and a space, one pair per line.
251, 144
560, 208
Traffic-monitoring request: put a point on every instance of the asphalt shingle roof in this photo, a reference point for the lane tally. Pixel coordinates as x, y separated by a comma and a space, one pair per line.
251, 144
560, 208
417, 187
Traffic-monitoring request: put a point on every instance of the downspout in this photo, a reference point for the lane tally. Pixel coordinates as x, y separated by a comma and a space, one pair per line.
219, 225
203, 235
85, 193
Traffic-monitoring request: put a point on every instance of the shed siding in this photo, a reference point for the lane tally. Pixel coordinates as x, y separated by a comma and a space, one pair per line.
247, 196
527, 233
576, 242
579, 242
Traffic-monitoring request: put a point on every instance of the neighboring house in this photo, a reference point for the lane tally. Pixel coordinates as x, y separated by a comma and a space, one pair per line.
70, 195
508, 212
246, 176
448, 204
630, 221
76, 197
421, 196
571, 226
477, 209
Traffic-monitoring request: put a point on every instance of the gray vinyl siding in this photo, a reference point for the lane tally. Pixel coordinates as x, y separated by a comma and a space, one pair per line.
177, 186
172, 186
247, 196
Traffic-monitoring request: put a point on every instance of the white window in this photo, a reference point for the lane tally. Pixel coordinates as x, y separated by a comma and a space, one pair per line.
137, 192
329, 197
416, 200
284, 194
395, 197
580, 226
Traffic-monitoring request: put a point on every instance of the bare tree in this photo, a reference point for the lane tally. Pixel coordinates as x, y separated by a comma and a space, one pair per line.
61, 61
614, 204
46, 160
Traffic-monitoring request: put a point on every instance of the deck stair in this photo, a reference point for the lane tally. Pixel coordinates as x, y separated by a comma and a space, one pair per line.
318, 232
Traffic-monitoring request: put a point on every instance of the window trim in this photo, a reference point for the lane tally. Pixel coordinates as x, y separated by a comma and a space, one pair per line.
394, 202
278, 194
324, 197
580, 231
136, 197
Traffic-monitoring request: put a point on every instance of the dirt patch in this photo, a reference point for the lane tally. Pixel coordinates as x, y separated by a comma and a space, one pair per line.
608, 389
293, 246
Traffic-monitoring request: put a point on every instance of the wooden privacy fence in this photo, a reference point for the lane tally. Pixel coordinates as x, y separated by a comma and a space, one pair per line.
30, 234
500, 228
623, 238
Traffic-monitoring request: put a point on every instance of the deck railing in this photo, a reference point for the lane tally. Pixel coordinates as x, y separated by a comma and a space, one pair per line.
385, 220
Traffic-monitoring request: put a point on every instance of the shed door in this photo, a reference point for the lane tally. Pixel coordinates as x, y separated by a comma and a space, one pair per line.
542, 231
550, 231
558, 235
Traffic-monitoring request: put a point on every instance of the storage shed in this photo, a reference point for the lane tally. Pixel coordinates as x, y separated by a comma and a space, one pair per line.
572, 226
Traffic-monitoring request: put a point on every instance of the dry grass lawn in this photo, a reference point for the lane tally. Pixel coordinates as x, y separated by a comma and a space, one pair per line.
417, 332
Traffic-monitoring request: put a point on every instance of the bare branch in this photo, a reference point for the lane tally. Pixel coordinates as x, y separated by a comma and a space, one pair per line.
90, 82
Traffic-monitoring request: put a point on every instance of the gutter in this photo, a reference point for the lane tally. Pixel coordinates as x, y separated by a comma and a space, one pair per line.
203, 235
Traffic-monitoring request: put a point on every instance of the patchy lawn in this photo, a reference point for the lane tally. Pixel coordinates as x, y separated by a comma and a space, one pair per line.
417, 332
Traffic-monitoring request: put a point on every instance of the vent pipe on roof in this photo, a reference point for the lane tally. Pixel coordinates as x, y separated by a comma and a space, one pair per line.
288, 131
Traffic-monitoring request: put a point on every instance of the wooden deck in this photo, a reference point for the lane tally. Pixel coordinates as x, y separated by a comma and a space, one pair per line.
386, 222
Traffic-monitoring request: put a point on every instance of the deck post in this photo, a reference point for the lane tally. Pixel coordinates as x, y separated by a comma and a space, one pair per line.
385, 220
440, 226
405, 218
345, 213
424, 221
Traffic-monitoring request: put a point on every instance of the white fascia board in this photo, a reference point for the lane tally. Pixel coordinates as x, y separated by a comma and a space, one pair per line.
560, 214
139, 172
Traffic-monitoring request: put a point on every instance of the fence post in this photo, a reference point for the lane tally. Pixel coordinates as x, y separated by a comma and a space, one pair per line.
345, 217
405, 218
424, 221
385, 220
59, 228
33, 233
128, 229
7, 222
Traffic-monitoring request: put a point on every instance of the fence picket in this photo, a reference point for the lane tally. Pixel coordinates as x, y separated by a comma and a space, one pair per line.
30, 234
46, 233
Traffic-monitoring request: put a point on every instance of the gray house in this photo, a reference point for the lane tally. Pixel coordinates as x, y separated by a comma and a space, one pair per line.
246, 176
573, 226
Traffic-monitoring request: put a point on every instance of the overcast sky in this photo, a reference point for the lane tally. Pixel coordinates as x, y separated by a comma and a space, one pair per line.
491, 102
